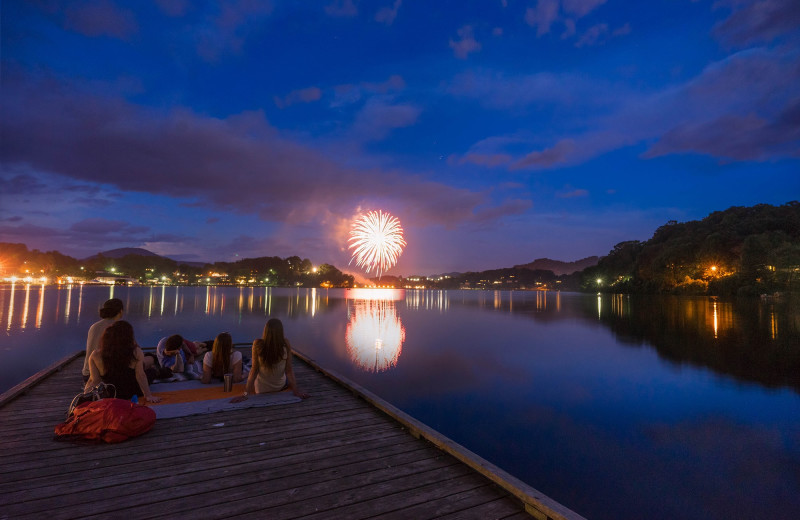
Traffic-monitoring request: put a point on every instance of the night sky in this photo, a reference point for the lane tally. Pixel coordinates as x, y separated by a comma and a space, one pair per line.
497, 131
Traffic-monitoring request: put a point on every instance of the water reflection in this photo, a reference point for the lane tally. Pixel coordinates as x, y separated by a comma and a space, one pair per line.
375, 334
747, 339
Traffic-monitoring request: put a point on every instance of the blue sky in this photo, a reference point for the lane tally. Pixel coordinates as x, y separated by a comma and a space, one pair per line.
497, 131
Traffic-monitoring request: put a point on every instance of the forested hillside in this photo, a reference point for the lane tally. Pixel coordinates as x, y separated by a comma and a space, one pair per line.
742, 250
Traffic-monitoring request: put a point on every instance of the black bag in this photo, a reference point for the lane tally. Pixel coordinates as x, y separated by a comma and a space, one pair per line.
101, 391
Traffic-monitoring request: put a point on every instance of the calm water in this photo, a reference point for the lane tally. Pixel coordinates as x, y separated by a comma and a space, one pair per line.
618, 407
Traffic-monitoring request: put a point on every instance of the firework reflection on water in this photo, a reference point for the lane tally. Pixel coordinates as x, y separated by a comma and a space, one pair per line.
375, 334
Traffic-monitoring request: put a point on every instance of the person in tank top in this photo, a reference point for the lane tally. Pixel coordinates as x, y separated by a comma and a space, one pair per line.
272, 364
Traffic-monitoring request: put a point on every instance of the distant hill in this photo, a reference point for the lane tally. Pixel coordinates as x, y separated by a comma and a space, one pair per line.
558, 267
124, 251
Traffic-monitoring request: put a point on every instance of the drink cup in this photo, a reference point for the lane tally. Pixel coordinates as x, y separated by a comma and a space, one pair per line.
228, 383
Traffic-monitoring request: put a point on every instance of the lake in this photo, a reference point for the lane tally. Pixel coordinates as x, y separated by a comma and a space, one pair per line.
619, 407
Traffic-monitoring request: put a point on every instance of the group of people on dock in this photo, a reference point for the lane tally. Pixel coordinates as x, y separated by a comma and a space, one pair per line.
113, 357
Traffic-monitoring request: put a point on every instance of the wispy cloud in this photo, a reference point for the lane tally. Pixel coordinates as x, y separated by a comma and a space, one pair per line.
342, 9
386, 15
757, 21
378, 117
465, 44
305, 95
100, 18
742, 107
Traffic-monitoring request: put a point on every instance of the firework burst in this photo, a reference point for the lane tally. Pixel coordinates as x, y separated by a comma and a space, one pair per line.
376, 239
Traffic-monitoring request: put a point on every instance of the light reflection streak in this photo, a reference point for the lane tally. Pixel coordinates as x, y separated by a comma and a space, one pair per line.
374, 336
163, 298
69, 304
599, 306
80, 303
313, 302
11, 306
25, 306
177, 295
716, 321
773, 322
40, 308
208, 294
150, 303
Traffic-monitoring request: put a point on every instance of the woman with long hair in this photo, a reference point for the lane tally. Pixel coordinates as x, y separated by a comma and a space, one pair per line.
222, 360
120, 362
272, 363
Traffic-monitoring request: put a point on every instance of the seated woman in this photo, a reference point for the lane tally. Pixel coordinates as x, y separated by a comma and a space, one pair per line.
120, 362
272, 364
222, 360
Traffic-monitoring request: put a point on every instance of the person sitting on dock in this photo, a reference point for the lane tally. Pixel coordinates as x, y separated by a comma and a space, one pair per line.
222, 359
175, 354
272, 364
120, 362
110, 312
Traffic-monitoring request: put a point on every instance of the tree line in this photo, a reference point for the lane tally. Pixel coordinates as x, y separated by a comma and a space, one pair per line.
742, 250
270, 270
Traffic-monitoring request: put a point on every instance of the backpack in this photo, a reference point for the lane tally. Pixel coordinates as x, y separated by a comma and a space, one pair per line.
101, 391
108, 420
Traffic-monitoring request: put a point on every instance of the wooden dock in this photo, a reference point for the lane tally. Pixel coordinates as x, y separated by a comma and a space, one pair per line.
343, 453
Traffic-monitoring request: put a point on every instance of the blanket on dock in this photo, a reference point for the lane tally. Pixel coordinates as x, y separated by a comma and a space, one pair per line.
193, 398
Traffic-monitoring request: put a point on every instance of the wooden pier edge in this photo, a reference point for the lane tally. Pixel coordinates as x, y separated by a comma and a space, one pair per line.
20, 389
536, 503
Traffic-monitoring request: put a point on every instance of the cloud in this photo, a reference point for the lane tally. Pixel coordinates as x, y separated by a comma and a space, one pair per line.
558, 154
622, 30
379, 117
466, 44
737, 137
491, 161
743, 107
225, 27
581, 8
755, 21
306, 95
100, 18
542, 16
85, 237
570, 193
593, 35
387, 15
239, 163
173, 7
105, 226
350, 93
342, 9
498, 90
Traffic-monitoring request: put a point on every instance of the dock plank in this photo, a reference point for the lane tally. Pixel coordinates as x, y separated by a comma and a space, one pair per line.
335, 455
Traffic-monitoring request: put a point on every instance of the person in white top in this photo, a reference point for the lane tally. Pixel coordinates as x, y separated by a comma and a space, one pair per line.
272, 364
110, 312
222, 360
